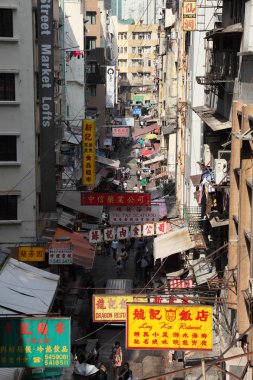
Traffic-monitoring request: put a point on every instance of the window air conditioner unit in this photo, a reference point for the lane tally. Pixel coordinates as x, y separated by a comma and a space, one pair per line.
207, 155
220, 170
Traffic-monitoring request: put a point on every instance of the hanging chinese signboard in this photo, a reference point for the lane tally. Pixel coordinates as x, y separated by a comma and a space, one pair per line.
119, 199
125, 232
88, 152
60, 255
176, 327
31, 253
133, 215
35, 342
189, 15
180, 284
179, 298
120, 131
112, 308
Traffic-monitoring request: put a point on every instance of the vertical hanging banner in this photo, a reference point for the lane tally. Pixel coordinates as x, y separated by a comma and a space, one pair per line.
110, 87
189, 15
89, 153
46, 101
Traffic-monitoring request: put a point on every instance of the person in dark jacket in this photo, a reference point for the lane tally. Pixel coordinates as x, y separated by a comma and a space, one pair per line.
125, 373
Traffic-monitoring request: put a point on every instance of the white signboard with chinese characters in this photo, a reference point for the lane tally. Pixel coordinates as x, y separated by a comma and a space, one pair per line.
110, 87
59, 255
133, 215
109, 234
134, 231
148, 229
95, 236
122, 233
120, 132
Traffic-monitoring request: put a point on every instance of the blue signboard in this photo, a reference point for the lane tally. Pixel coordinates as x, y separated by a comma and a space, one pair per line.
136, 110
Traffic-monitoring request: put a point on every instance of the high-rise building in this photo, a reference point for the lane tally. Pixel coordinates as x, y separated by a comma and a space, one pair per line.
30, 113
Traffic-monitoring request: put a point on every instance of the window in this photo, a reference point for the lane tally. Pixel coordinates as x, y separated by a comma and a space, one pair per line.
91, 90
7, 86
91, 17
8, 207
8, 148
125, 49
6, 23
91, 68
90, 43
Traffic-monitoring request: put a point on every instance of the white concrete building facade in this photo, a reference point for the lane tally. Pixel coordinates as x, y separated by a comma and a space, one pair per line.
17, 124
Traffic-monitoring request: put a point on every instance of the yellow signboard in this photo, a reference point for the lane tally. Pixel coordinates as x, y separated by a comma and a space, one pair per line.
189, 15
112, 307
176, 327
88, 152
189, 24
189, 8
31, 253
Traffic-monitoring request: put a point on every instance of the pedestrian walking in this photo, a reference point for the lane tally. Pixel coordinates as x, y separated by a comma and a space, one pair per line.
136, 188
141, 141
143, 267
107, 248
125, 373
138, 175
119, 267
125, 185
116, 359
102, 374
124, 258
138, 162
137, 152
144, 184
114, 246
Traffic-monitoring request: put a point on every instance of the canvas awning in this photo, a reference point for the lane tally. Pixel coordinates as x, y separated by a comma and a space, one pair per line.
83, 251
195, 179
161, 175
153, 160
26, 289
141, 132
71, 199
173, 242
212, 118
107, 161
66, 219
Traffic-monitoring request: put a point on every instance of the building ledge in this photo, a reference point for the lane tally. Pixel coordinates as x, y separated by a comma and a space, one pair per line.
10, 163
212, 118
9, 222
9, 103
9, 39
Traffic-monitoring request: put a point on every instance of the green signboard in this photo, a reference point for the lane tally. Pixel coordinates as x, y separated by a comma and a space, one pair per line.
34, 342
138, 98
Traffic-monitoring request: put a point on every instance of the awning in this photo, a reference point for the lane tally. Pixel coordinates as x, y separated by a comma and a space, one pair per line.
195, 179
230, 29
161, 175
83, 251
203, 270
71, 199
67, 219
103, 173
72, 138
212, 118
141, 132
153, 160
107, 161
173, 242
26, 289
169, 128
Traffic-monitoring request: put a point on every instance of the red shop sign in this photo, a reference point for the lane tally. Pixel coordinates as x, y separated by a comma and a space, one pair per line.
121, 199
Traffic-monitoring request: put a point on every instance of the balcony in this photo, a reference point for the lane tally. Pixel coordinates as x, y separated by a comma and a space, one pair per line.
222, 66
